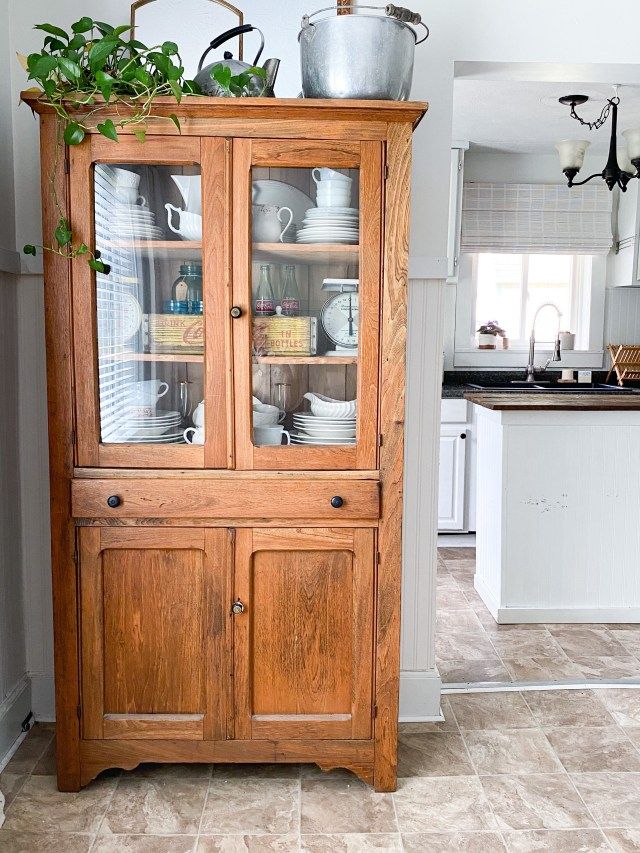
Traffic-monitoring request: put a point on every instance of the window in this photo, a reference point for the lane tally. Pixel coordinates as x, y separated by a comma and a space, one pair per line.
510, 288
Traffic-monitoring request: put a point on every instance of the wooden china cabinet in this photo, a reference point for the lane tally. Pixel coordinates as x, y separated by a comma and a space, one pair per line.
237, 598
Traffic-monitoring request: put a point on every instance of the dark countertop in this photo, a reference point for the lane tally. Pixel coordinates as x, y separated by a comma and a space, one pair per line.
528, 401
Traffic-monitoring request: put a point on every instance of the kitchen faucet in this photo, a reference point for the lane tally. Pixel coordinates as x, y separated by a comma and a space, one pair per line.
532, 343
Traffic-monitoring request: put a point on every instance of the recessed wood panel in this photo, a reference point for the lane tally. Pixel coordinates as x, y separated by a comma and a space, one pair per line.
302, 632
153, 631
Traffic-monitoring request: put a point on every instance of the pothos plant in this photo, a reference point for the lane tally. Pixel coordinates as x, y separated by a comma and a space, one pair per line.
92, 73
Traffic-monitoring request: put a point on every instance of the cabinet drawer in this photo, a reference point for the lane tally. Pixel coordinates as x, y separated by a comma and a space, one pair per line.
200, 498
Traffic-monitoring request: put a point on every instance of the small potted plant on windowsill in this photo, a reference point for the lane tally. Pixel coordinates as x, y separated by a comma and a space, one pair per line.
487, 334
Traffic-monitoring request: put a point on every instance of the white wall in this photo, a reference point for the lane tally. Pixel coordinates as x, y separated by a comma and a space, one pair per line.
494, 30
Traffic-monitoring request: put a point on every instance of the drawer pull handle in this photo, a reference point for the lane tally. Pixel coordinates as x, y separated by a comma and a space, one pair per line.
336, 502
237, 607
113, 501
236, 312
463, 435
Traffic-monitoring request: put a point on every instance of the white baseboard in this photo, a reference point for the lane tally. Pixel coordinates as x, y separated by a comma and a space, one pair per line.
14, 709
420, 696
491, 603
43, 697
456, 540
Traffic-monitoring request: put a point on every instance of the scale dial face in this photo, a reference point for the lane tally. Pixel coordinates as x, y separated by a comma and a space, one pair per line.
340, 319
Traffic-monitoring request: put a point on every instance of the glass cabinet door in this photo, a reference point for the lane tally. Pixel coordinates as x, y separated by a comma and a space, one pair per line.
307, 282
152, 307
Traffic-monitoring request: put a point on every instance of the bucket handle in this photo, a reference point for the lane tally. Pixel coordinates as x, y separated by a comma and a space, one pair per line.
405, 16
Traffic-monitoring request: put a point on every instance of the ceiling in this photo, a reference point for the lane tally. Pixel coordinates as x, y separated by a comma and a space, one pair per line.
525, 117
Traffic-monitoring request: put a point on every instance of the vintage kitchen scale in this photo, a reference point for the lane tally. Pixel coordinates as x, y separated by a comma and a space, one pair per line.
340, 315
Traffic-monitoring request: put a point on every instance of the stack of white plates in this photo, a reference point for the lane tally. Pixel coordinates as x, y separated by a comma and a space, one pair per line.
134, 221
311, 429
330, 225
162, 428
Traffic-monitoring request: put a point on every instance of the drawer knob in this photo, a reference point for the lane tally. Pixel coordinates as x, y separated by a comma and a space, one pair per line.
236, 312
463, 435
113, 501
336, 501
237, 607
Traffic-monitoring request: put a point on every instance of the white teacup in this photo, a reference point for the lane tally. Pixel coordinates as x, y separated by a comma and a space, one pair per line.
261, 419
270, 435
147, 392
190, 224
333, 198
196, 438
324, 174
198, 415
130, 196
126, 178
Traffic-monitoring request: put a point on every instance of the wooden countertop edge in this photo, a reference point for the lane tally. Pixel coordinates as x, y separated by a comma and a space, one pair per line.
196, 106
531, 401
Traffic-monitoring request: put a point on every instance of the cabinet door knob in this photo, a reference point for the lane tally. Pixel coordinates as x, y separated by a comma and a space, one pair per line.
237, 607
113, 501
463, 435
336, 501
236, 312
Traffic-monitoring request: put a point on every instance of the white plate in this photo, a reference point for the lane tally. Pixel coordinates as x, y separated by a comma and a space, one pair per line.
350, 241
320, 433
318, 423
300, 439
178, 438
320, 211
284, 195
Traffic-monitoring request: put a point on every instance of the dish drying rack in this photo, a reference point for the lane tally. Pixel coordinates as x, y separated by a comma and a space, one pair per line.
625, 361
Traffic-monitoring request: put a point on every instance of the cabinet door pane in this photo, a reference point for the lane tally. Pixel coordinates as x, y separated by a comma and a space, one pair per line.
313, 276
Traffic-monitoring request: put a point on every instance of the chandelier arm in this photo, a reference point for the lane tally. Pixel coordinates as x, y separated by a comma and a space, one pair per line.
586, 180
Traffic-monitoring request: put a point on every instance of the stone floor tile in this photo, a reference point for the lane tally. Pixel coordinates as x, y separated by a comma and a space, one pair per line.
456, 554
455, 842
451, 599
567, 707
511, 751
47, 842
612, 798
257, 771
10, 785
542, 669
248, 844
106, 843
456, 803
433, 754
623, 704
490, 671
608, 668
450, 621
251, 806
525, 644
558, 841
586, 749
46, 765
350, 843
170, 771
538, 801
157, 805
623, 840
30, 750
630, 639
39, 806
463, 645
447, 725
491, 711
344, 808
581, 641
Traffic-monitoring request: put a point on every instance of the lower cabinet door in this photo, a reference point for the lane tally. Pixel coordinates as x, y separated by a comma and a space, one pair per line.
154, 614
303, 629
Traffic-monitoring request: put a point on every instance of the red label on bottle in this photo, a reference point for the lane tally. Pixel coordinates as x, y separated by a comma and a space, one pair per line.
290, 307
264, 307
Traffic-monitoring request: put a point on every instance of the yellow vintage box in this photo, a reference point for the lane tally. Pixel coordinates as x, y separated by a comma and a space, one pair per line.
174, 333
285, 335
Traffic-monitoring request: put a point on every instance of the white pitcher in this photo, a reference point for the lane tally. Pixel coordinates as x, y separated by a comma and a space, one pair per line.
190, 187
268, 220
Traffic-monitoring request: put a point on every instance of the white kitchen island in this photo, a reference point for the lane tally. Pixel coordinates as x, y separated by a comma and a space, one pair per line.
558, 507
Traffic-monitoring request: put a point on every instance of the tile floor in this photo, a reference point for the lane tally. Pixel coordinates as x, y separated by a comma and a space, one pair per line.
471, 647
515, 771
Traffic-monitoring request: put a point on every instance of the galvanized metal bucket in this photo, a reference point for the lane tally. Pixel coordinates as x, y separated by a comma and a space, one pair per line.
359, 55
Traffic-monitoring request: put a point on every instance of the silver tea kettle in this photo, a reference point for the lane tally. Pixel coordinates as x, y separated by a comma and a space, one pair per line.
258, 86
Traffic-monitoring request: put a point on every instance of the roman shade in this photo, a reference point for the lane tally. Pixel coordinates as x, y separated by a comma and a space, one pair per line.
536, 218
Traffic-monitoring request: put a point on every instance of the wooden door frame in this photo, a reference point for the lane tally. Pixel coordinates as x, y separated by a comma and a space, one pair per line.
368, 157
213, 155
361, 543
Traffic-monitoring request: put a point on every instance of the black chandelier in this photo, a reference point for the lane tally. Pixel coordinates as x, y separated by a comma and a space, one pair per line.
622, 165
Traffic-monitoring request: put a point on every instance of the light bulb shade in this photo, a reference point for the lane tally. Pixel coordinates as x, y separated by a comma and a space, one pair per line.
624, 162
572, 152
632, 137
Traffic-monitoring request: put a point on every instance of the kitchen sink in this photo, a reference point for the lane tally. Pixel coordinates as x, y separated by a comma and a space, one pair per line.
551, 388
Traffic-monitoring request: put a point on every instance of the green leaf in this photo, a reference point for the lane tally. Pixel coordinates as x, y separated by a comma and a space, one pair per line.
190, 87
174, 118
84, 25
82, 249
54, 44
49, 87
140, 135
134, 44
144, 77
161, 62
123, 28
108, 129
257, 71
29, 249
54, 31
177, 91
169, 48
105, 29
43, 66
105, 84
73, 133
63, 233
100, 51
77, 42
99, 266
70, 69
31, 61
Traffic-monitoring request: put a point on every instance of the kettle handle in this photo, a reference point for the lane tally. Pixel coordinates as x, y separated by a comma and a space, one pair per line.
229, 34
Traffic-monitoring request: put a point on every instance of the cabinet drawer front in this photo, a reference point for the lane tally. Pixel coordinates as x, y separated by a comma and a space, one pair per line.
197, 498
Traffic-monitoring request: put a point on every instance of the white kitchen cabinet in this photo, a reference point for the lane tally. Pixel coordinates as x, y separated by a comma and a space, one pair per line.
451, 491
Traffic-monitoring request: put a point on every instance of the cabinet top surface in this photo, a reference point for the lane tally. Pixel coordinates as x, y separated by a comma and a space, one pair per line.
334, 109
515, 402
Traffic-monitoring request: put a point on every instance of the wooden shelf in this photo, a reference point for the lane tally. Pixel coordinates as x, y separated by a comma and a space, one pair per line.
189, 249
188, 358
306, 253
306, 359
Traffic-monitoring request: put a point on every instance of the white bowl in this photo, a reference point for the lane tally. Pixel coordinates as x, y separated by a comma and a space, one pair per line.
326, 407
